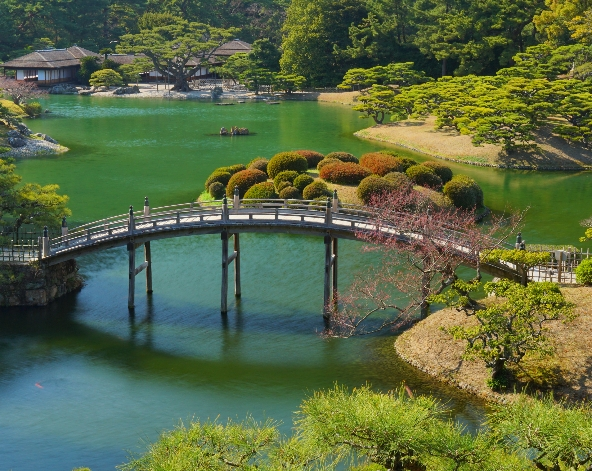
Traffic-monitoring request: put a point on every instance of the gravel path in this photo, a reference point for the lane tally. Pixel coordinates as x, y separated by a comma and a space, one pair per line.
34, 148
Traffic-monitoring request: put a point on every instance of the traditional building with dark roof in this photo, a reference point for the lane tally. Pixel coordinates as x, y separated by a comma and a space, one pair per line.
49, 66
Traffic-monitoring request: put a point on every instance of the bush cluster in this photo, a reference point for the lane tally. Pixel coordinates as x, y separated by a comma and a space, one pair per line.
584, 272
218, 176
258, 163
302, 181
424, 176
343, 156
244, 180
464, 192
316, 190
373, 186
290, 193
381, 164
261, 191
437, 198
311, 156
282, 185
344, 173
326, 161
32, 109
399, 180
440, 169
217, 190
406, 162
285, 176
286, 161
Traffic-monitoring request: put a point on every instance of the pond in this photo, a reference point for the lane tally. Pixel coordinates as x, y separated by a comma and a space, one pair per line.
82, 383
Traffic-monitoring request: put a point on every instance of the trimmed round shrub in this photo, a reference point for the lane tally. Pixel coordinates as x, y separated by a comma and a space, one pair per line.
261, 191
344, 173
326, 161
316, 190
285, 176
244, 179
311, 156
437, 198
290, 193
584, 272
282, 185
424, 176
232, 169
406, 162
258, 163
464, 192
373, 186
302, 181
286, 161
218, 176
343, 156
399, 180
381, 164
443, 171
217, 190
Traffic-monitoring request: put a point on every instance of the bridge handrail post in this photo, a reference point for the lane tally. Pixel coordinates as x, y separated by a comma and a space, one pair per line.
39, 248
328, 212
146, 209
45, 242
224, 208
64, 232
131, 222
236, 198
335, 202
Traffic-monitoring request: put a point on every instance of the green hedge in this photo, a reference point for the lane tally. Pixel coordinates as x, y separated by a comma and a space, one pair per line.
326, 161
261, 191
440, 169
282, 185
464, 192
285, 176
244, 179
344, 173
286, 161
258, 163
217, 190
316, 190
218, 176
290, 193
373, 186
424, 176
232, 169
311, 156
399, 180
584, 272
343, 156
302, 181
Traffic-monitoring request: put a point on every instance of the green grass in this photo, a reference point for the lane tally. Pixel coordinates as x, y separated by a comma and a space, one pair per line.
17, 110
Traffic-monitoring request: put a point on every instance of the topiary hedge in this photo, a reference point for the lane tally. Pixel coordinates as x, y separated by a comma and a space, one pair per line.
440, 169
406, 162
440, 200
290, 193
285, 176
343, 156
311, 156
261, 191
282, 185
286, 161
232, 169
244, 179
464, 192
326, 161
316, 190
584, 272
344, 173
373, 186
258, 163
218, 176
399, 180
217, 190
302, 181
424, 176
381, 164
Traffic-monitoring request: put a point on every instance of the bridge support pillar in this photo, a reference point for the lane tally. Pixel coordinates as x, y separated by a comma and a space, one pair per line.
330, 285
133, 270
148, 261
227, 260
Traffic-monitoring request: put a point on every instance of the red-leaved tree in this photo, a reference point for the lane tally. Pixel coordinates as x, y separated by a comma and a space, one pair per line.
18, 91
421, 245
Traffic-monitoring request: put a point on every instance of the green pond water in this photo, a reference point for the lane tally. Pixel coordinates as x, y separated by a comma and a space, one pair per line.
82, 383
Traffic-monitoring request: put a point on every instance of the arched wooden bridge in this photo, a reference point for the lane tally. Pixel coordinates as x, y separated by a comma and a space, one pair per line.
332, 221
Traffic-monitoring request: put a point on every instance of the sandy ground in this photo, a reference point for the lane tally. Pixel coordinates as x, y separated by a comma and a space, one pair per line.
568, 374
420, 136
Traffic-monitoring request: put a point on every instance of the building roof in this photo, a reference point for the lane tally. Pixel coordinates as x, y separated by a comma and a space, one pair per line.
125, 58
232, 47
50, 59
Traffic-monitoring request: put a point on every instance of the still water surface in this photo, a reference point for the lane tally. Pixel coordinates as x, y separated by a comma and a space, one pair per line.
81, 382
